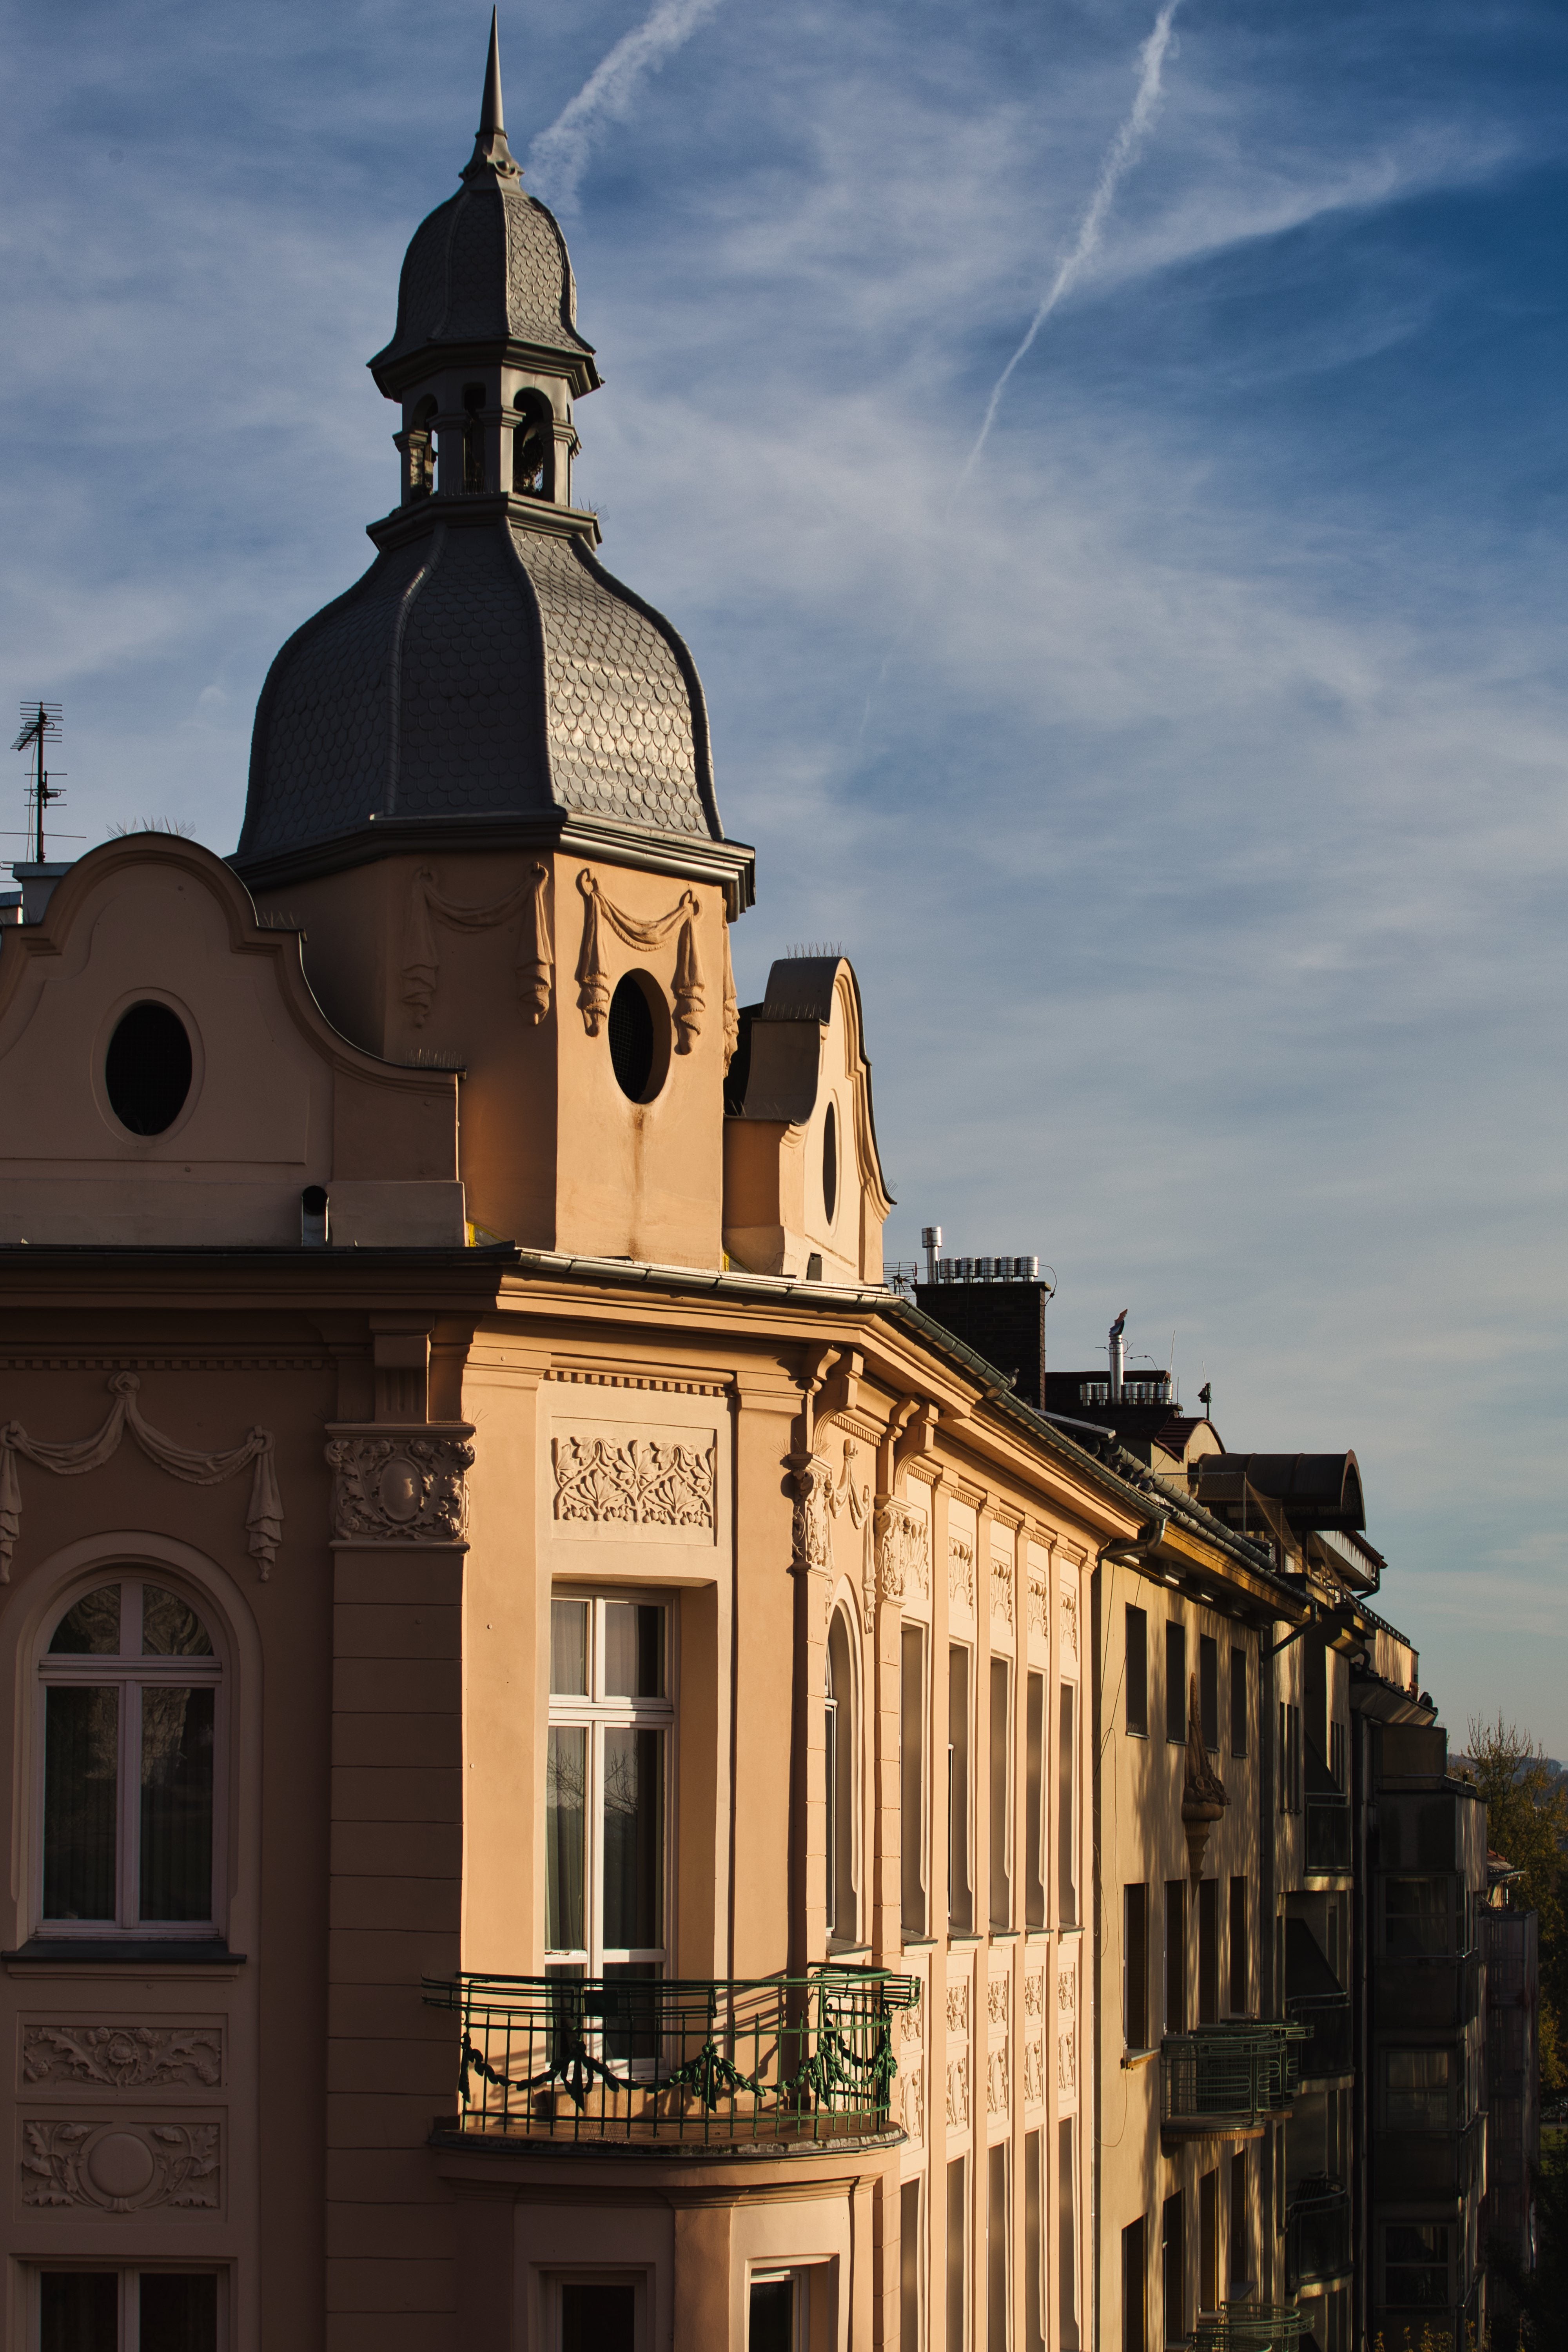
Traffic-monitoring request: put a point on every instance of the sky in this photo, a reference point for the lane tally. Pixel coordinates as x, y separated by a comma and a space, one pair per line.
1182, 764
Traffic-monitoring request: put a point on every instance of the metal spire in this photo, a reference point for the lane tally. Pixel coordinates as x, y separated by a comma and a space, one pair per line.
491, 154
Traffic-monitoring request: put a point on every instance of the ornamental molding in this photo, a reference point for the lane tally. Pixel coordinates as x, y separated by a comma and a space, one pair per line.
659, 1484
400, 1485
811, 1524
997, 2084
1035, 1996
960, 1571
534, 955
120, 2168
573, 1376
915, 2119
903, 1555
10, 1361
593, 981
124, 2057
1070, 1624
822, 1494
997, 1990
958, 2005
958, 2091
1039, 1604
1035, 2073
1002, 1588
263, 1518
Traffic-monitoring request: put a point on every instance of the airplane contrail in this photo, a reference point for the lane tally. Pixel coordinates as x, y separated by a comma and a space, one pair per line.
558, 156
1120, 156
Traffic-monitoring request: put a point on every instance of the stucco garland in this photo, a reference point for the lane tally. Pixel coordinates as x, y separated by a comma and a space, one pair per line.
263, 1521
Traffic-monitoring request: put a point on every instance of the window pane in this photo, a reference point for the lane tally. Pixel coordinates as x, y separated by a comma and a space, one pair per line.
179, 2311
170, 1630
1417, 2090
631, 2018
634, 1839
1416, 2265
177, 1802
565, 1786
569, 1647
82, 1758
1417, 1913
770, 2321
80, 2311
90, 1629
634, 1650
597, 2318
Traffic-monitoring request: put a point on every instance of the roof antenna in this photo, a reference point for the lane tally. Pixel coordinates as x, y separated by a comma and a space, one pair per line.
41, 724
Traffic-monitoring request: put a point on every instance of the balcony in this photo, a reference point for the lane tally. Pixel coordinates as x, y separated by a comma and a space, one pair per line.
1230, 2078
1329, 2048
1250, 2328
1432, 2168
1439, 1993
1318, 2235
691, 2063
1328, 1835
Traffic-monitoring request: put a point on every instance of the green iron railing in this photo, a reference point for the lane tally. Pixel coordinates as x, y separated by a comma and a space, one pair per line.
699, 2060
1250, 2327
1226, 2077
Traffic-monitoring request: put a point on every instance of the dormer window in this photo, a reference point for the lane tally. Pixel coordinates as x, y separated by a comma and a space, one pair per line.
534, 448
473, 437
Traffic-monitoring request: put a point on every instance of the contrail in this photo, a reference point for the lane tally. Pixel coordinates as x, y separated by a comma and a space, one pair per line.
558, 156
1120, 156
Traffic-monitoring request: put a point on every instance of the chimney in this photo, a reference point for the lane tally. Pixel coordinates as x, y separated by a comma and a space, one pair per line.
1118, 1355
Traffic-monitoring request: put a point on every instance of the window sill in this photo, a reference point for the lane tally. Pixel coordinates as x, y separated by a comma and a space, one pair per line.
921, 1943
954, 1937
1005, 1935
133, 1951
1132, 2059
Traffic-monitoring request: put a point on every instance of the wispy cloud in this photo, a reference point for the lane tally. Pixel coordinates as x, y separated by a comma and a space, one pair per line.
558, 156
1119, 158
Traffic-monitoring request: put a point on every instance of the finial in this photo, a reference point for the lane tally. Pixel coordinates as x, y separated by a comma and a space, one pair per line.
491, 154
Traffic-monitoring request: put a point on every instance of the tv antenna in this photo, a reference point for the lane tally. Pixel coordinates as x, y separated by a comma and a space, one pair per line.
41, 724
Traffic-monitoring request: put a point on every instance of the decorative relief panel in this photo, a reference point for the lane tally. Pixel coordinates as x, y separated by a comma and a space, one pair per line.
124, 2057
960, 1571
911, 2079
1034, 2038
997, 1990
997, 2096
1067, 2031
1039, 1603
656, 1484
902, 1550
811, 1531
1002, 1588
1035, 2073
120, 2168
958, 2005
958, 2091
400, 1485
1070, 1624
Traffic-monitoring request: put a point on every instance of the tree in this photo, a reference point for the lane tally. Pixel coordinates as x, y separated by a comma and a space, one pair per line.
1527, 1823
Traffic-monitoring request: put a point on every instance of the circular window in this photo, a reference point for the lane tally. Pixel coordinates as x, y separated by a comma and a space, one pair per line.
830, 1162
640, 1036
147, 1070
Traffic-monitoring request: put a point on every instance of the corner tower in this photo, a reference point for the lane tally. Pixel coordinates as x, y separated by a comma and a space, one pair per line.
490, 749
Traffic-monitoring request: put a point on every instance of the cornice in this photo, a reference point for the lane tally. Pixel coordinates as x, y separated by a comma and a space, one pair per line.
472, 509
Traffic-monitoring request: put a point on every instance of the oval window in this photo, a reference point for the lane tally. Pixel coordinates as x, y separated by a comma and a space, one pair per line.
640, 1036
830, 1162
147, 1070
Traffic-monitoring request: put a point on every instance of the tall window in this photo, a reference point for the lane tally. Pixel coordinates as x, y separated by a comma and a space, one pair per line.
1173, 2267
960, 1885
842, 1784
1208, 1951
911, 2267
1137, 1679
998, 2232
607, 1783
911, 1777
1135, 1966
131, 1686
112, 2310
1237, 1700
1035, 1801
1208, 1691
1067, 2236
1135, 2287
1239, 2265
957, 2254
532, 447
1000, 1808
473, 437
1176, 1956
1176, 1682
1208, 2242
1067, 1805
1240, 1949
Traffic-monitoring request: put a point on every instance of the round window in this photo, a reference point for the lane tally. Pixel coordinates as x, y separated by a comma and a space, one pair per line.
830, 1162
147, 1070
640, 1036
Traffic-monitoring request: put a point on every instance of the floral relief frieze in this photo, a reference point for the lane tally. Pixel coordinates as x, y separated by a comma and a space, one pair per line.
124, 2057
667, 1483
902, 1563
960, 1571
120, 2168
1070, 1624
404, 1486
1039, 1604
1002, 1588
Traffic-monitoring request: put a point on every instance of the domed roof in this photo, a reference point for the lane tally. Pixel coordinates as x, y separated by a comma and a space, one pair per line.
487, 676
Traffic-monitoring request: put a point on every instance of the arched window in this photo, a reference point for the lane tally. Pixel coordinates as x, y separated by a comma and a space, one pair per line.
473, 437
534, 448
422, 451
839, 1744
131, 1699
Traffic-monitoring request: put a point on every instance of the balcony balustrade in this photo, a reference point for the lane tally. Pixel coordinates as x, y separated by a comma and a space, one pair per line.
1329, 2047
1228, 2078
1438, 1994
1317, 2234
1328, 1829
678, 2062
1250, 2327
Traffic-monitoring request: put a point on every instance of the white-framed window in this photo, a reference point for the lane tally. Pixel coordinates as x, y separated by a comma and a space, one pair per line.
596, 2311
131, 1743
100, 2307
608, 1785
790, 2307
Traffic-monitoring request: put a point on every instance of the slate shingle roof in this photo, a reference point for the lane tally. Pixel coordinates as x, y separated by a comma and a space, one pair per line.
489, 264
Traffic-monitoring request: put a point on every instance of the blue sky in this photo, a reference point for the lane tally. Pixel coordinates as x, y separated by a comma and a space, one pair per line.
1188, 781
